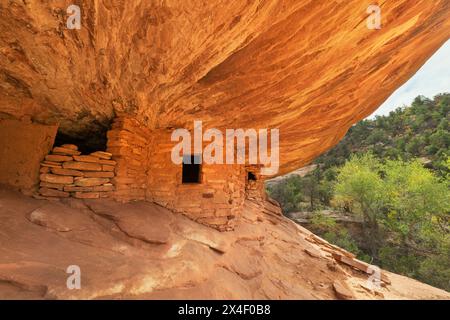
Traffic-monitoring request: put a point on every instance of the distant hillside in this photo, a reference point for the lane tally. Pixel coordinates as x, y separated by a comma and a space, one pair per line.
383, 192
418, 131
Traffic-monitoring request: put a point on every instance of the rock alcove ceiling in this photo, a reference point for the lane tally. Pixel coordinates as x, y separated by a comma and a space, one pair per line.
310, 68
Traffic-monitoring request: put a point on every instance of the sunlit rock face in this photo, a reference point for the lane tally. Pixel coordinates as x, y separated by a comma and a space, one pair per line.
310, 68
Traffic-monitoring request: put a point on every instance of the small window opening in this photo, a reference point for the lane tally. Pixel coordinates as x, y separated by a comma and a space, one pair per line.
251, 176
191, 169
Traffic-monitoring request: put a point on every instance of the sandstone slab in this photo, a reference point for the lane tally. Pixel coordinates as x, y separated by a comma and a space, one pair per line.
57, 158
106, 167
58, 186
101, 188
87, 195
82, 166
50, 165
53, 193
56, 216
84, 158
44, 170
342, 290
69, 146
98, 174
102, 155
65, 151
53, 178
67, 172
90, 182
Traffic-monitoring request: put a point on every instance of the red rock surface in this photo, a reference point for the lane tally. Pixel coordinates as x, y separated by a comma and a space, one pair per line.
141, 250
309, 67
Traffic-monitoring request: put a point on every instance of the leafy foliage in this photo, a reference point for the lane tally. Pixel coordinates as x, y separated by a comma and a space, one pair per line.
418, 131
392, 172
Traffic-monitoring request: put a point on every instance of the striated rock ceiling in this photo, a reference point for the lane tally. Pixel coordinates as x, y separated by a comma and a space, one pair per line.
308, 67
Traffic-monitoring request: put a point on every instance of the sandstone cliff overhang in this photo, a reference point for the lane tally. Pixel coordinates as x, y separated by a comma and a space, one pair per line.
310, 68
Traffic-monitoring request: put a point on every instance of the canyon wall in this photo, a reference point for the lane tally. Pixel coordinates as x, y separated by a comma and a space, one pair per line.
23, 145
310, 68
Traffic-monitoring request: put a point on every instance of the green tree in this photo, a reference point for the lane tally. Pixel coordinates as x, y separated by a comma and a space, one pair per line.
288, 193
360, 186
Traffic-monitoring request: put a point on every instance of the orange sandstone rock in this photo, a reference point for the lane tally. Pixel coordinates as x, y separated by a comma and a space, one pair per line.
87, 195
84, 158
65, 151
102, 155
342, 290
69, 146
67, 172
53, 178
90, 182
57, 158
53, 193
98, 174
82, 166
248, 65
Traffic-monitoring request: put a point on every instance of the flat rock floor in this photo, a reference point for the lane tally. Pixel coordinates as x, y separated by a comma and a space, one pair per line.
143, 251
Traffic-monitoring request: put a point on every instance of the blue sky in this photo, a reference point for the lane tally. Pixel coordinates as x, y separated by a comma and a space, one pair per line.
431, 79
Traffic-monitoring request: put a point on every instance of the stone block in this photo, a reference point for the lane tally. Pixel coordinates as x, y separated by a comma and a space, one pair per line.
53, 178
47, 192
90, 182
84, 158
69, 146
102, 155
106, 167
98, 174
50, 165
65, 151
57, 186
44, 170
87, 195
67, 172
57, 158
82, 166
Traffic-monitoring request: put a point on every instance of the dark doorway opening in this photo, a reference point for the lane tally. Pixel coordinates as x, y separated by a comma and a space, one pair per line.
251, 176
191, 169
87, 141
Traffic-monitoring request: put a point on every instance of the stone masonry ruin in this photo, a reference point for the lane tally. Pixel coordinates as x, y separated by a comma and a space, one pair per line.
135, 166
